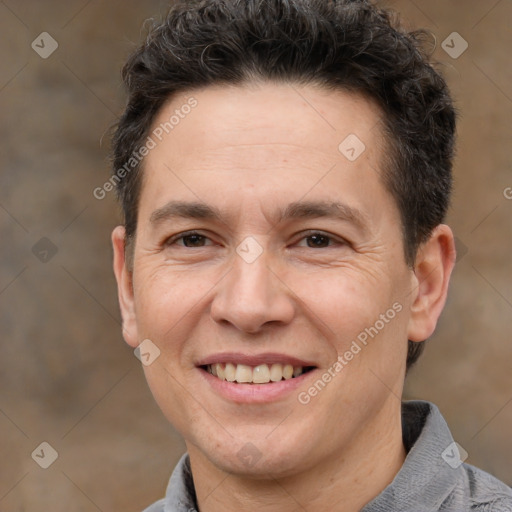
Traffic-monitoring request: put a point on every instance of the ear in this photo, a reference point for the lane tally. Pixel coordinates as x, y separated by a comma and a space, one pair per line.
124, 287
432, 270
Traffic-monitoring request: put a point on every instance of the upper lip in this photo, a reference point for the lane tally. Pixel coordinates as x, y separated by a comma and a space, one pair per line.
253, 360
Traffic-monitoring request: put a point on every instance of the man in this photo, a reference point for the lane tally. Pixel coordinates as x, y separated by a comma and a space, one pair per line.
284, 168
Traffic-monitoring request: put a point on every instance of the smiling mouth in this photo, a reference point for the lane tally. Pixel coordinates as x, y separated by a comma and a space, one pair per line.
261, 374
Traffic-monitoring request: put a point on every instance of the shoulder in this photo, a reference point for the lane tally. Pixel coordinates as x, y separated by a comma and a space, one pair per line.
180, 494
156, 507
486, 492
428, 478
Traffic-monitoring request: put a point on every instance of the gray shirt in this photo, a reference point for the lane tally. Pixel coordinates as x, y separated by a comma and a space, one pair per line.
432, 478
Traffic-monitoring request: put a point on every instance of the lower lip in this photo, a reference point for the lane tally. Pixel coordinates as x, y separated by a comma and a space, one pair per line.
254, 393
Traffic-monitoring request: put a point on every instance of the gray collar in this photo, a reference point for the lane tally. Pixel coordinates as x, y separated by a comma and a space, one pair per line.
425, 480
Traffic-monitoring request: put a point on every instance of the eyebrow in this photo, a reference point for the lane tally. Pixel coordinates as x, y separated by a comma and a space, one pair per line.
296, 210
185, 210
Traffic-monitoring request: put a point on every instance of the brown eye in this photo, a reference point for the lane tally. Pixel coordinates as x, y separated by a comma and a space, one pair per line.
190, 240
318, 240
193, 240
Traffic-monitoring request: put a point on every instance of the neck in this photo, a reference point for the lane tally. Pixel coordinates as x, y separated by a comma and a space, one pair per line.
344, 481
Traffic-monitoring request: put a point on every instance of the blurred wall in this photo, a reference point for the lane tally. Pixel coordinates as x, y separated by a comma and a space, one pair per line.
66, 376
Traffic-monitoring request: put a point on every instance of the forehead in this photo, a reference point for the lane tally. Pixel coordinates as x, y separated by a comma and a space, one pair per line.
308, 117
277, 135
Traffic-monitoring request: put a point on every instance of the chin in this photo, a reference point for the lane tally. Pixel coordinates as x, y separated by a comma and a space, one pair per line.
257, 460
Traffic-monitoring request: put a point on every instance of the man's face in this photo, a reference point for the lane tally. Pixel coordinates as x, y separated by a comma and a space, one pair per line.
305, 257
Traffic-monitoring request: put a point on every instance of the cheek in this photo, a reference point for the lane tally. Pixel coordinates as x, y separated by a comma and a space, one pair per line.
363, 320
171, 394
167, 303
343, 299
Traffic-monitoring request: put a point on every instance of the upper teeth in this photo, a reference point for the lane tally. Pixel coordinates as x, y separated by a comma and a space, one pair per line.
260, 374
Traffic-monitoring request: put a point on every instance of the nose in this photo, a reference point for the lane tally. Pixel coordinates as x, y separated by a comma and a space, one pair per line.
252, 296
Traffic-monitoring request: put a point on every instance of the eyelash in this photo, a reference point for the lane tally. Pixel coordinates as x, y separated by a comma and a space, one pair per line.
172, 240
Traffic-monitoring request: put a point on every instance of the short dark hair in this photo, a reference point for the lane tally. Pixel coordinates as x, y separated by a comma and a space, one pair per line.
346, 45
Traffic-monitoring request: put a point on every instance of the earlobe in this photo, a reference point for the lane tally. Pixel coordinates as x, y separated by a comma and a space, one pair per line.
124, 287
432, 270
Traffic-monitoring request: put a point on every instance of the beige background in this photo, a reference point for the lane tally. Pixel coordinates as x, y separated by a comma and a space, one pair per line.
66, 376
